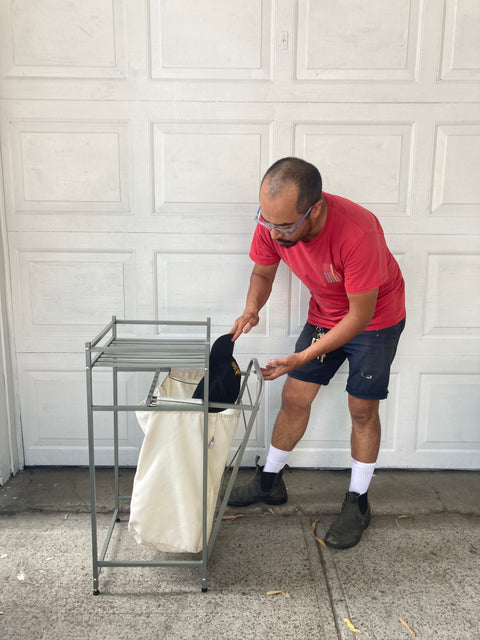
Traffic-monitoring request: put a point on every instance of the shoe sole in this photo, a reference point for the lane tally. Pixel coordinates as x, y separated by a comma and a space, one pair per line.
248, 504
347, 546
338, 546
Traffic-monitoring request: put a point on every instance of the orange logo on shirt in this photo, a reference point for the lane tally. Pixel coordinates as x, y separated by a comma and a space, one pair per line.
330, 274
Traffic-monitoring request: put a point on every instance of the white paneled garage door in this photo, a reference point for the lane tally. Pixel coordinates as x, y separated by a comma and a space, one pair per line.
134, 135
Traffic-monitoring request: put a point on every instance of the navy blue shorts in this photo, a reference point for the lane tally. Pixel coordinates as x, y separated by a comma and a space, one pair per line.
370, 355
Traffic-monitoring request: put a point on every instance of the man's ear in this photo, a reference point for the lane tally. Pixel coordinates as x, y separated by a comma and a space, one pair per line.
318, 208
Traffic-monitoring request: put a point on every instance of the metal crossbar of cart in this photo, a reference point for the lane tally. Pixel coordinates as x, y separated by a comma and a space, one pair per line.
157, 355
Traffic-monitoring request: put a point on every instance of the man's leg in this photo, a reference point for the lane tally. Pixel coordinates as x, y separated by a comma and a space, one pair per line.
292, 419
354, 518
365, 443
290, 425
365, 440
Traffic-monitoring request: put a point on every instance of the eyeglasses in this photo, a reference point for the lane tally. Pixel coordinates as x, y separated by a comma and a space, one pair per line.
285, 232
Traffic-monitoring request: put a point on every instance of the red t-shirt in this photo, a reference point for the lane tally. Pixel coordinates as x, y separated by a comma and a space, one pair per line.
349, 255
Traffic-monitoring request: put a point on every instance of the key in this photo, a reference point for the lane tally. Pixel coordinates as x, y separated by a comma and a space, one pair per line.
319, 333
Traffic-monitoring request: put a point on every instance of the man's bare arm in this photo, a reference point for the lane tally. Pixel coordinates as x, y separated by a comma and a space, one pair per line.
261, 282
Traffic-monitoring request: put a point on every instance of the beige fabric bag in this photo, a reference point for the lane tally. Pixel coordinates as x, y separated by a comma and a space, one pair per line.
166, 507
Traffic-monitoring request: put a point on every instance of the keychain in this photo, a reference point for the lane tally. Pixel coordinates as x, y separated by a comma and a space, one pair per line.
319, 333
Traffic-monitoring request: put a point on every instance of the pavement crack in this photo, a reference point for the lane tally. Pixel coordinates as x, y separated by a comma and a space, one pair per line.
320, 593
336, 594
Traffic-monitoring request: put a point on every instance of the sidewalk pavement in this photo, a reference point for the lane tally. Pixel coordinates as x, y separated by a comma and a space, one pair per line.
415, 573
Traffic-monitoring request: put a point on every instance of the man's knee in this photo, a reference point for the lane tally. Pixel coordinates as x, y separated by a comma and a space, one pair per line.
363, 412
298, 395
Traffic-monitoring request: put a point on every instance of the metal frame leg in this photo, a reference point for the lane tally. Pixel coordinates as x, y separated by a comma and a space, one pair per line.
115, 445
253, 409
91, 458
206, 393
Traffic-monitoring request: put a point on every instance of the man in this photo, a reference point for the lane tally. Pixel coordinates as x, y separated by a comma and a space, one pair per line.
356, 312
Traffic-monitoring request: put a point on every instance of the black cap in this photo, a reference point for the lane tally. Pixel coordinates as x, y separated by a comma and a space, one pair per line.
224, 374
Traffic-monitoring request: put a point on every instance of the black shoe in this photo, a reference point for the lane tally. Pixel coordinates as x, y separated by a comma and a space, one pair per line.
349, 526
253, 492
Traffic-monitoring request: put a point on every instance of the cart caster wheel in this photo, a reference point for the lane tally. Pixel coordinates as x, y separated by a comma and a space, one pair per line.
204, 589
96, 592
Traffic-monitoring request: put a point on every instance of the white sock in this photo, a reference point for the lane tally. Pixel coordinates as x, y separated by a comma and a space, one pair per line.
361, 477
276, 460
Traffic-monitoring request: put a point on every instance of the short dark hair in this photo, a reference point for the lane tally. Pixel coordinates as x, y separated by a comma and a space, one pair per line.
305, 176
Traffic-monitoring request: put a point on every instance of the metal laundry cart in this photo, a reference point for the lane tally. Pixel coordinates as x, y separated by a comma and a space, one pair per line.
156, 355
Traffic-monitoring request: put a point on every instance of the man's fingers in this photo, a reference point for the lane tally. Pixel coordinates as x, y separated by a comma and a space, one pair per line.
241, 327
278, 367
270, 373
236, 333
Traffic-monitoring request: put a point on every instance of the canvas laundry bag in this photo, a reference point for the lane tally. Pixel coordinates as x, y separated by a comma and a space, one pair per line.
167, 506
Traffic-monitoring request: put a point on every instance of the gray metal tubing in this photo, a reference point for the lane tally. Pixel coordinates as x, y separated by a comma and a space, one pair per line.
91, 458
147, 364
108, 536
121, 366
171, 407
130, 349
145, 367
206, 396
115, 437
130, 341
151, 359
94, 360
241, 451
146, 341
102, 333
153, 386
244, 382
146, 563
167, 323
130, 354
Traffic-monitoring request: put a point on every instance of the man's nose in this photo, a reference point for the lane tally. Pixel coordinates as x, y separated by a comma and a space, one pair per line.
275, 235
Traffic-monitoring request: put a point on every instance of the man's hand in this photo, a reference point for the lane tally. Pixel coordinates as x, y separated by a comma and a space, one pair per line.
244, 323
277, 368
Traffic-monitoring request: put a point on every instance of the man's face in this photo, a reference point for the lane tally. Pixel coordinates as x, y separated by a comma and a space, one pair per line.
282, 213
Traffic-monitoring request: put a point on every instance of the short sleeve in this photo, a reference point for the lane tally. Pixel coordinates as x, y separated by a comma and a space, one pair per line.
365, 263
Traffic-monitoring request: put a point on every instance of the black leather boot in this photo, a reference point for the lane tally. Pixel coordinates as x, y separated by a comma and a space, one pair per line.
253, 492
349, 525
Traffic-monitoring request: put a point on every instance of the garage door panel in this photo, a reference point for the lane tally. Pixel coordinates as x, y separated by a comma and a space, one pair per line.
233, 43
53, 395
350, 49
456, 191
460, 51
186, 290
200, 167
369, 164
85, 39
448, 410
62, 293
81, 167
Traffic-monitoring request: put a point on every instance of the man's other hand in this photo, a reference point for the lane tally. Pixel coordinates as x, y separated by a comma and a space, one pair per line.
277, 368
